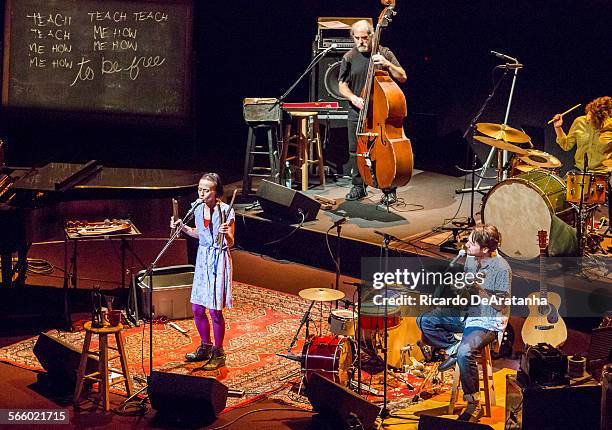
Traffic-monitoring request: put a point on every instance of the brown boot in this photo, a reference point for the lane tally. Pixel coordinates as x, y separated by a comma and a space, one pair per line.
473, 411
217, 360
203, 353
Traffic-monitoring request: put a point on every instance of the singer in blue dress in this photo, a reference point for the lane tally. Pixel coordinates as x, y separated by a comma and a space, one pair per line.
212, 280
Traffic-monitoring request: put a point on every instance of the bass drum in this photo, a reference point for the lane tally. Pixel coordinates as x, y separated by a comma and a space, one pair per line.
520, 207
329, 356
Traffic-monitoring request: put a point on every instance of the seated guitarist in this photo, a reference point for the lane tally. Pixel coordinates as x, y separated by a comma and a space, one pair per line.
478, 323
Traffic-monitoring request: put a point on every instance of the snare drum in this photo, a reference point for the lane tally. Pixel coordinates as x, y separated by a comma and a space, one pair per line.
342, 322
522, 206
595, 187
329, 356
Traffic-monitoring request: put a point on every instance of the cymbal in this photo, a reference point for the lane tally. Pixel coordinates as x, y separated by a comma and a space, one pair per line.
321, 294
502, 132
540, 159
501, 144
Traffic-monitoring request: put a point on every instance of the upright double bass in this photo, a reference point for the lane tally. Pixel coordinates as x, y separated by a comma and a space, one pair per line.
384, 153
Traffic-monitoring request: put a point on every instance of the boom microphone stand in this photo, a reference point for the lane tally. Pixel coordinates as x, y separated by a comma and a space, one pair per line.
149, 273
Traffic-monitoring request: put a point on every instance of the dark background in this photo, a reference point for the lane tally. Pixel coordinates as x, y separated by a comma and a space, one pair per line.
258, 48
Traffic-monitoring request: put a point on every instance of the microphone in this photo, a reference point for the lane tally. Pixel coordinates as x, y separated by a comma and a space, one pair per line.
512, 66
504, 56
387, 236
339, 222
461, 254
291, 356
194, 205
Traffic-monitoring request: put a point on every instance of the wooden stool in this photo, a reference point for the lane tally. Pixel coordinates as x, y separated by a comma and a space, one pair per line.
307, 143
484, 359
268, 151
102, 374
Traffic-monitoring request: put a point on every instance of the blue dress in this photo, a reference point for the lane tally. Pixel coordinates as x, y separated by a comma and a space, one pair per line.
212, 280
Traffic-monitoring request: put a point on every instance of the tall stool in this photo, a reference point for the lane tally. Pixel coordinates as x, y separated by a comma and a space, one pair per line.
307, 142
103, 370
485, 361
268, 150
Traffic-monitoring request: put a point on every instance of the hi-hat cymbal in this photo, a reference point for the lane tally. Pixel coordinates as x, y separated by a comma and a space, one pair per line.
321, 294
500, 144
502, 132
540, 159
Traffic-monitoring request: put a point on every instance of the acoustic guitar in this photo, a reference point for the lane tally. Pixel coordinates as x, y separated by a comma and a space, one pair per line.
544, 324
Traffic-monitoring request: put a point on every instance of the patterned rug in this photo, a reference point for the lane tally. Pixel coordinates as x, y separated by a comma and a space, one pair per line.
261, 324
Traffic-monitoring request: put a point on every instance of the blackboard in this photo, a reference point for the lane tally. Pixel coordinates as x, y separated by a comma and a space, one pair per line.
98, 56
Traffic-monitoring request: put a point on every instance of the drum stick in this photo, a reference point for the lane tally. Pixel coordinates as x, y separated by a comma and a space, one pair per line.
567, 111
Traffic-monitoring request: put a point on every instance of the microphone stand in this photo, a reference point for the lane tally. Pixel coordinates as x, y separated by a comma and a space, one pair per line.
471, 129
505, 153
149, 273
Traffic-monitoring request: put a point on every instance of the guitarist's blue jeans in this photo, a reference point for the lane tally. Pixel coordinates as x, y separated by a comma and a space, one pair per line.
438, 328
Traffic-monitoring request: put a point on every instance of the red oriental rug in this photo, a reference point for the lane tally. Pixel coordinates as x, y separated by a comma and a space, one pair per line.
261, 324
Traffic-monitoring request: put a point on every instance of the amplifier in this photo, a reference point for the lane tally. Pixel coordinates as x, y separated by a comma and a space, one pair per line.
262, 110
342, 43
545, 365
531, 407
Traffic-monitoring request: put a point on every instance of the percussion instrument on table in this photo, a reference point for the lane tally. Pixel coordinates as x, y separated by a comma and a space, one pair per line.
520, 207
329, 356
595, 187
342, 322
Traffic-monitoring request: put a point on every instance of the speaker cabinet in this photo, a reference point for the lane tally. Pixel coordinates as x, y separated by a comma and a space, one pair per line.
324, 86
191, 398
61, 361
427, 422
532, 407
286, 204
341, 407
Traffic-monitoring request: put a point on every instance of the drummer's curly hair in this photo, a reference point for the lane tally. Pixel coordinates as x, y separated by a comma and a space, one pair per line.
487, 236
600, 109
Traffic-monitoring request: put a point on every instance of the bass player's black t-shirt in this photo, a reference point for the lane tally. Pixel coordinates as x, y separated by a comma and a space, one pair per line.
354, 70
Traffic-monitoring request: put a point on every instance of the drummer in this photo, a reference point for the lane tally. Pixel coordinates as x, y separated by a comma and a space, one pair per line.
590, 133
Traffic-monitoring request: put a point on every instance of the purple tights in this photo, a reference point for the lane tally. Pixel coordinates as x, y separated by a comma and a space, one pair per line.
203, 326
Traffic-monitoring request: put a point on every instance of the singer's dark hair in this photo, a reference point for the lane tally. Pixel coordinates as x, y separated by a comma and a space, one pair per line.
487, 236
215, 179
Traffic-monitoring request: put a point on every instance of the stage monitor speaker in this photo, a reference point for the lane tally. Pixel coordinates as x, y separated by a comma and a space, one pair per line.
191, 398
61, 360
286, 204
427, 422
340, 406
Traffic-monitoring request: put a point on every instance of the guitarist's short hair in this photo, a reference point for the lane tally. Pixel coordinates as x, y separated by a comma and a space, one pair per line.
487, 236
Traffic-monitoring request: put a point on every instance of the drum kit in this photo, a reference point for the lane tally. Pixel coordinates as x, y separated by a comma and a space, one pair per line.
536, 198
335, 356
